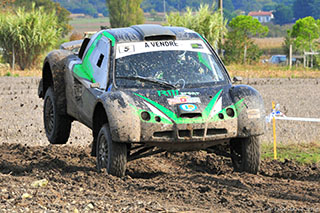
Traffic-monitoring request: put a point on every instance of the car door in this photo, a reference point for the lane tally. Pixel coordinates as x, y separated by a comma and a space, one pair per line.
90, 78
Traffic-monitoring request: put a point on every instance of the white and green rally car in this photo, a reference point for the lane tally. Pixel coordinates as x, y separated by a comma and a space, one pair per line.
146, 89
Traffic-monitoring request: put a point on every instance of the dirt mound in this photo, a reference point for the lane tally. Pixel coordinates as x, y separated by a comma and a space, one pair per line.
194, 181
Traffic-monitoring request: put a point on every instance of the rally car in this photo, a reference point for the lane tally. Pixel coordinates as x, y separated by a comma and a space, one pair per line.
146, 89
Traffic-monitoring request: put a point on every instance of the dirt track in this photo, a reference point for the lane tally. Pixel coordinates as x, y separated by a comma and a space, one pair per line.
196, 181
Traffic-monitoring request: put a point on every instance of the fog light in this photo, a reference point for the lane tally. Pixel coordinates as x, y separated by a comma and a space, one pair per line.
145, 116
230, 112
221, 116
157, 118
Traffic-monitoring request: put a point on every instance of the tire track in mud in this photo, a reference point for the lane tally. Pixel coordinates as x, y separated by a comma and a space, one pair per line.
193, 181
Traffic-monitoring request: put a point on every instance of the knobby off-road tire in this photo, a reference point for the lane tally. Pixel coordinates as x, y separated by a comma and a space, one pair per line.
57, 126
245, 154
110, 155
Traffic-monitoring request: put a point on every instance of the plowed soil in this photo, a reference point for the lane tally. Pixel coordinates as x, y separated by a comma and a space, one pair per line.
166, 182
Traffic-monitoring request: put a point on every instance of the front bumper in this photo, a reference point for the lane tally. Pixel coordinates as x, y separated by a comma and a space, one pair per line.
191, 132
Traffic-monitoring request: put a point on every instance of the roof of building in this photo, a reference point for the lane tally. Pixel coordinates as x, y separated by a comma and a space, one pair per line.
260, 13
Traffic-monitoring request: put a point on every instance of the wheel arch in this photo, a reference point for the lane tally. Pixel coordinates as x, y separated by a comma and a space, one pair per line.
99, 118
250, 110
53, 71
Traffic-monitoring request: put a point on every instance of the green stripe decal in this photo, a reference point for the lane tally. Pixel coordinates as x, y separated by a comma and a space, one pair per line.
111, 37
178, 120
85, 69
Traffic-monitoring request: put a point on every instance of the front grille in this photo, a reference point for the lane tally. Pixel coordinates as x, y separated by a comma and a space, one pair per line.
184, 133
198, 132
190, 133
211, 132
190, 115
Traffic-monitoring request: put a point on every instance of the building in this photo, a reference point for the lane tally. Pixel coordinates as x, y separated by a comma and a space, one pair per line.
262, 16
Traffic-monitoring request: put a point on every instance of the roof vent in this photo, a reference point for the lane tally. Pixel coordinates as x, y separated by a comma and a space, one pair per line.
151, 32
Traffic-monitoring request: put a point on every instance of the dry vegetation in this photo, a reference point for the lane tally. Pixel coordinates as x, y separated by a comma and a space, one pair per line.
268, 43
245, 71
271, 71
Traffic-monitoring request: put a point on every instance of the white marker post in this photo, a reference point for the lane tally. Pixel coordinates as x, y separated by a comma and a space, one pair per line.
277, 115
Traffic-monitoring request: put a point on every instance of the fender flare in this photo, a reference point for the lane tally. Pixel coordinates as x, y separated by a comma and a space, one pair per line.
123, 122
250, 110
53, 71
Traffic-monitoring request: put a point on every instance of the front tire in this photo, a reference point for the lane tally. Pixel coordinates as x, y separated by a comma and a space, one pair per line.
57, 126
245, 154
110, 155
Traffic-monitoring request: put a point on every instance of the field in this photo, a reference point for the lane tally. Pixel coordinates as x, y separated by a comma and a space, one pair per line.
167, 182
82, 25
38, 177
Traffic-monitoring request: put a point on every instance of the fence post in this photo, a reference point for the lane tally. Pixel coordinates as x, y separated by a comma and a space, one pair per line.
290, 56
274, 132
245, 54
13, 58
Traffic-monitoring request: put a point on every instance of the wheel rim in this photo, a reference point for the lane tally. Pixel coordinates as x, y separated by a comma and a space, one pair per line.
49, 116
102, 152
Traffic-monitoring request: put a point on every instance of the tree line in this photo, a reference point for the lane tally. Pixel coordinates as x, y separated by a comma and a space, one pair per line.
29, 30
285, 11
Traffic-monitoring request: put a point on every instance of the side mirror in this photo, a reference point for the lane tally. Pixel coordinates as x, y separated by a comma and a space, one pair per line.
237, 79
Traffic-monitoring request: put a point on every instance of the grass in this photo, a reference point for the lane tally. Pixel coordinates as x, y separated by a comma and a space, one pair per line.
16, 73
304, 153
89, 20
245, 71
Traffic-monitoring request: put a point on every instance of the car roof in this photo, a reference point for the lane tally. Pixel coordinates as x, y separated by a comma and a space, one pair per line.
147, 32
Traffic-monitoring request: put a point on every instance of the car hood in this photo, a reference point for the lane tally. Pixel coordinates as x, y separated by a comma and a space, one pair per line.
182, 105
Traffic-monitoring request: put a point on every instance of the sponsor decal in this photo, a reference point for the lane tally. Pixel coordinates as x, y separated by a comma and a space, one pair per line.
160, 44
130, 48
188, 107
126, 49
253, 113
180, 99
168, 92
190, 93
176, 93
197, 46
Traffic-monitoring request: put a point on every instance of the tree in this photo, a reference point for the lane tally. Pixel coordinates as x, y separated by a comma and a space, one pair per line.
24, 36
301, 8
204, 21
124, 13
283, 14
315, 9
239, 46
305, 33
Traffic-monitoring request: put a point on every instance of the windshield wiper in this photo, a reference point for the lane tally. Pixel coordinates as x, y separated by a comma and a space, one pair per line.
148, 79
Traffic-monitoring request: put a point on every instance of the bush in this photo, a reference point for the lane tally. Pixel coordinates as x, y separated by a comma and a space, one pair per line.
76, 36
24, 36
204, 21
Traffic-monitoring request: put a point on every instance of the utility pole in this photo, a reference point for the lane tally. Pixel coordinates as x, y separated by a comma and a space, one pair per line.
164, 9
221, 34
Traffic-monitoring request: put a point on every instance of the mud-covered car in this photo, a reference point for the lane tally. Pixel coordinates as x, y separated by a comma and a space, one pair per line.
146, 89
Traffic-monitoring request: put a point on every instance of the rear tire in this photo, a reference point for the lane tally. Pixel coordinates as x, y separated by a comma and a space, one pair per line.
110, 155
245, 154
57, 126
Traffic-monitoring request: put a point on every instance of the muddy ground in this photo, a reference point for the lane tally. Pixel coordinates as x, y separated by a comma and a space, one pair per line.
167, 182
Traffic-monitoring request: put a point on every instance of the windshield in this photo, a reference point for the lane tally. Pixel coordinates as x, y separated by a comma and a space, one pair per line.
189, 67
